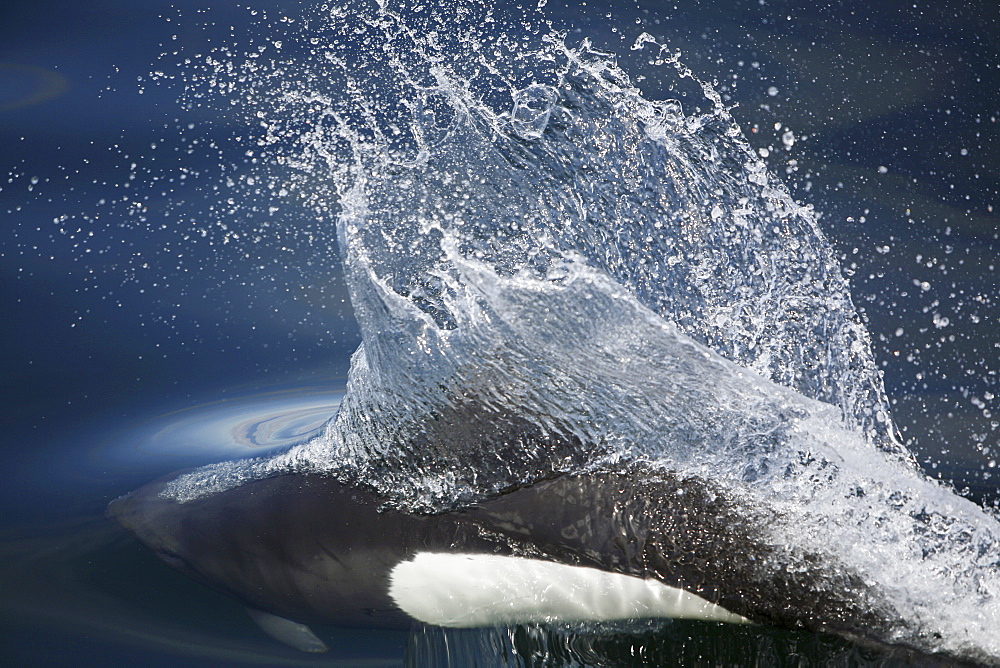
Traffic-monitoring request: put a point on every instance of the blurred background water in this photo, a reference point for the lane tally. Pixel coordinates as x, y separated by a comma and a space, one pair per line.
132, 350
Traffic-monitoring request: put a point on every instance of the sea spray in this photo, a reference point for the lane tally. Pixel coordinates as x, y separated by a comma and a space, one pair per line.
553, 272
425, 165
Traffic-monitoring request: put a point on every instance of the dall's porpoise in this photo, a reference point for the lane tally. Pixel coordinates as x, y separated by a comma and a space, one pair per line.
636, 542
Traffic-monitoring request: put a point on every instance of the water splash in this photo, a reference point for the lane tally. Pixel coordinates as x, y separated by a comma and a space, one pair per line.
429, 170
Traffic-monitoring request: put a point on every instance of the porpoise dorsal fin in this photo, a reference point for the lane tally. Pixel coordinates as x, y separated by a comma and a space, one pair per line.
284, 630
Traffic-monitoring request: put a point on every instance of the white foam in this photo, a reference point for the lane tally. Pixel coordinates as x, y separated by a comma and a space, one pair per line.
473, 590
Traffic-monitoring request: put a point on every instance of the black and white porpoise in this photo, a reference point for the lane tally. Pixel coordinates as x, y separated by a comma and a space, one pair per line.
604, 545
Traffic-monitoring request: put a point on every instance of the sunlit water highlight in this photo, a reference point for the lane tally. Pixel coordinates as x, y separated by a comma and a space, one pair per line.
238, 427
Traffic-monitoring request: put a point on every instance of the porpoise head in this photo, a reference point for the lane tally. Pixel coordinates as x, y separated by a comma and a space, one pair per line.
155, 521
296, 546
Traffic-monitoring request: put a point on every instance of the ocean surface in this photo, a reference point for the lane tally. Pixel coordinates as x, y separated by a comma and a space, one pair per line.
208, 208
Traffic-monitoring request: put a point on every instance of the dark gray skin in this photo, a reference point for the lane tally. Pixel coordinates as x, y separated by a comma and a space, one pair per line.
311, 548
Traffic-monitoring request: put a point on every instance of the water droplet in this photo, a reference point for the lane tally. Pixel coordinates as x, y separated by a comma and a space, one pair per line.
532, 110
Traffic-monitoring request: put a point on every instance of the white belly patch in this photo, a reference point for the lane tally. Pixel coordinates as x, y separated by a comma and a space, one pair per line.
470, 590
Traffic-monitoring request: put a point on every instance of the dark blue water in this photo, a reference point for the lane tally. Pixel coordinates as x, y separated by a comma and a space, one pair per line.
131, 350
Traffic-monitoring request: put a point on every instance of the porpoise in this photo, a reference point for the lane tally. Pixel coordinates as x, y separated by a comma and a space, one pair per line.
601, 545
